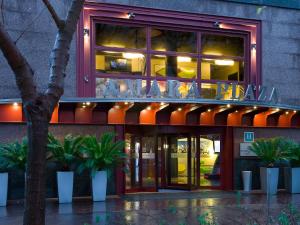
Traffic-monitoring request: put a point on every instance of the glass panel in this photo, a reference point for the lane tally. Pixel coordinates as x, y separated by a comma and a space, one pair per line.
132, 149
173, 66
222, 45
210, 162
121, 85
178, 161
177, 41
120, 62
148, 161
210, 91
222, 69
120, 36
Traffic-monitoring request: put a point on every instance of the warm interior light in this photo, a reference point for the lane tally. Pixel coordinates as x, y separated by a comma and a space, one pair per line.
255, 107
117, 106
88, 103
277, 109
224, 62
15, 104
287, 112
295, 111
83, 106
114, 45
149, 108
126, 103
208, 110
236, 111
179, 109
162, 103
129, 55
184, 59
228, 105
212, 53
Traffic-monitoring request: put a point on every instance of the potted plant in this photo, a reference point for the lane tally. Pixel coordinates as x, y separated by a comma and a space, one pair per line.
292, 173
12, 156
65, 154
3, 181
99, 157
270, 151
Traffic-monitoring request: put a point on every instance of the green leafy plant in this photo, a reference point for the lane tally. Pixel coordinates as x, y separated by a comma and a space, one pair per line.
271, 150
294, 150
14, 155
103, 154
65, 152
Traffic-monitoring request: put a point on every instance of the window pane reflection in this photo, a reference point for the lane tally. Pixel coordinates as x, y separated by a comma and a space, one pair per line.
120, 62
177, 41
173, 66
222, 69
210, 91
120, 36
222, 45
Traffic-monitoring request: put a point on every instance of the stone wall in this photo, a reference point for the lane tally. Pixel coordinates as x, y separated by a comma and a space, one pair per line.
280, 31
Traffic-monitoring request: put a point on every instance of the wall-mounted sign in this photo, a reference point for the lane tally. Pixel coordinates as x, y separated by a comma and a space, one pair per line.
245, 149
173, 89
248, 136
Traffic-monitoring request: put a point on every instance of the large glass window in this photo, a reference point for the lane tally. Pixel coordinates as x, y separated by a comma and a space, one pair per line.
122, 51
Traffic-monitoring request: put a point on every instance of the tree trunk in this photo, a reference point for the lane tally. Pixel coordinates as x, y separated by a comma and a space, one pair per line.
35, 190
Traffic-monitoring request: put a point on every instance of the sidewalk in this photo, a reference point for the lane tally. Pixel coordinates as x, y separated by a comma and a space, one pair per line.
186, 208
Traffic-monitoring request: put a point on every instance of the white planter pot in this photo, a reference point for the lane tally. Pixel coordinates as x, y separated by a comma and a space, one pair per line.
269, 180
247, 180
292, 179
65, 186
3, 188
99, 183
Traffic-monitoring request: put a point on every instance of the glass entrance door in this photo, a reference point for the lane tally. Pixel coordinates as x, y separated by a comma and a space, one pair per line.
140, 175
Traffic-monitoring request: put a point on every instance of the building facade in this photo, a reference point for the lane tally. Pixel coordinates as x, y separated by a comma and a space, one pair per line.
187, 84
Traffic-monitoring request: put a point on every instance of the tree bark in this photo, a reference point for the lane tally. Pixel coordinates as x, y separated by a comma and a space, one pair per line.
34, 213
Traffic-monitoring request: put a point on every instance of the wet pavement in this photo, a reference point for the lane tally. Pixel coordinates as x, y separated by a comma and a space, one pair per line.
185, 208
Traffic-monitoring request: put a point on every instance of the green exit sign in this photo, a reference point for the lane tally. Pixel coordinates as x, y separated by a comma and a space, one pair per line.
248, 136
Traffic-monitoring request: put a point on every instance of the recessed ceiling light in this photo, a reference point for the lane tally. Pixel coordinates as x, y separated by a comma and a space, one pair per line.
208, 110
179, 109
228, 105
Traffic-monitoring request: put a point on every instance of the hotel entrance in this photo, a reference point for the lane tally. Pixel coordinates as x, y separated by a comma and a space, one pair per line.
173, 161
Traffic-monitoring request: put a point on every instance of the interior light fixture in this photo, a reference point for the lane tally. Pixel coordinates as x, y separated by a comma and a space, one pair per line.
277, 109
83, 106
130, 15
184, 59
162, 103
149, 108
125, 103
86, 32
129, 55
255, 107
236, 111
15, 104
287, 112
179, 109
224, 62
208, 110
88, 103
228, 105
294, 111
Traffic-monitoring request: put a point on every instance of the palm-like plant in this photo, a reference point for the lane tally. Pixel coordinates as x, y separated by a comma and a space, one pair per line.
65, 153
294, 150
101, 155
14, 155
271, 150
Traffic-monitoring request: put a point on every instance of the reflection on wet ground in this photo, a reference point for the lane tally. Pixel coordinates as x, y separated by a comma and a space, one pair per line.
163, 209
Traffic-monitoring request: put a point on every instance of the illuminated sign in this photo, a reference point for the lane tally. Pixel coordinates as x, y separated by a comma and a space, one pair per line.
173, 89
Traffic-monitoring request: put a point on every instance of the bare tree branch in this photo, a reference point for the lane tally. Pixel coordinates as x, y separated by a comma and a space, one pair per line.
60, 53
59, 22
17, 62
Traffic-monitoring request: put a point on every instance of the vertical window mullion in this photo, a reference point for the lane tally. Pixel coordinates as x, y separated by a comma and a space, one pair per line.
199, 60
148, 57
